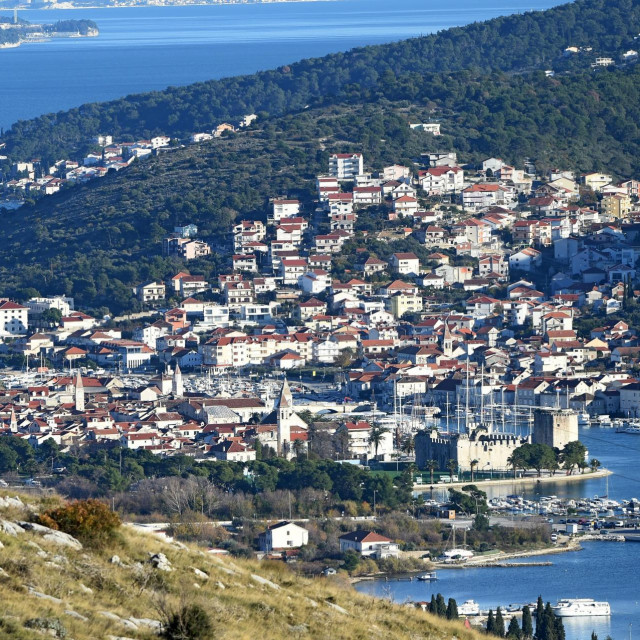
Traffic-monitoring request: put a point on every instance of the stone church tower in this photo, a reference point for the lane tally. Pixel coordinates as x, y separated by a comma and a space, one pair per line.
79, 394
177, 386
285, 419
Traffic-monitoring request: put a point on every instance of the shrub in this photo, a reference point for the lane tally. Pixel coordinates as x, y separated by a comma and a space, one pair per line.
190, 622
90, 521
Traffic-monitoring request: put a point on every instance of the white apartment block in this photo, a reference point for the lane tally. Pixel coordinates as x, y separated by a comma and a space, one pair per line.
14, 318
346, 166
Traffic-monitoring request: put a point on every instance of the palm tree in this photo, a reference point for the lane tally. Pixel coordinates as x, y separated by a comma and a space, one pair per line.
376, 436
452, 466
408, 446
594, 464
431, 466
473, 464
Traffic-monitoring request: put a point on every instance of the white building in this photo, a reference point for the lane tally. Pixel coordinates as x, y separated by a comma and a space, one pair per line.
368, 543
14, 318
281, 536
284, 209
346, 166
63, 304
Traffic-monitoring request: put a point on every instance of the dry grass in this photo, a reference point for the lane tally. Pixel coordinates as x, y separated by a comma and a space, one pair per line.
240, 606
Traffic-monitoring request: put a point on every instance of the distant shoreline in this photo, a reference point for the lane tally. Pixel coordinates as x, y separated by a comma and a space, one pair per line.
64, 6
577, 477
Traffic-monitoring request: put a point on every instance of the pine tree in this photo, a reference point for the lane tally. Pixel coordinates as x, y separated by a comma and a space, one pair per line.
527, 623
452, 609
491, 623
539, 616
441, 607
514, 632
594, 635
433, 606
499, 623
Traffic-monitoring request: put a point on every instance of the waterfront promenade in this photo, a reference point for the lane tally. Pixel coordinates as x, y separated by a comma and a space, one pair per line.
529, 478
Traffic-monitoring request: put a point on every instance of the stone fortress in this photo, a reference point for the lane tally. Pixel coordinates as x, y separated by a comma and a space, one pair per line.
491, 449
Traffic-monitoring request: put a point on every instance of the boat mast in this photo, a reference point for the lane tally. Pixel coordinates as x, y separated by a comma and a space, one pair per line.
482, 395
467, 396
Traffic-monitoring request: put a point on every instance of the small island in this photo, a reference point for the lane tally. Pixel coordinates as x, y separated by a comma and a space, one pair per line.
15, 31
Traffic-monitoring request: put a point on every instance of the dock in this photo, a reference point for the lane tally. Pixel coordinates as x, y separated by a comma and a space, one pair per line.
509, 565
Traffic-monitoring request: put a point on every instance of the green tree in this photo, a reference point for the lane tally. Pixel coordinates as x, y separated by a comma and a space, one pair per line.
473, 464
491, 623
351, 561
376, 436
499, 623
441, 607
514, 632
527, 623
452, 609
573, 455
50, 318
595, 464
452, 466
539, 616
433, 605
431, 466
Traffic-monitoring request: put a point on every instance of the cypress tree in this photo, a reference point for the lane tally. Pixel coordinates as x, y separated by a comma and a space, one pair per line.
527, 623
514, 632
433, 607
594, 635
558, 627
539, 616
441, 606
491, 623
452, 609
547, 628
499, 623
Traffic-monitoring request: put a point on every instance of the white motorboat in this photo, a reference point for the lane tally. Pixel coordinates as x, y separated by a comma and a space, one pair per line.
428, 577
576, 607
469, 608
584, 419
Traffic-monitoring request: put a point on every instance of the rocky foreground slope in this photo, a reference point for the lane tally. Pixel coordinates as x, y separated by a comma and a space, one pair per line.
51, 585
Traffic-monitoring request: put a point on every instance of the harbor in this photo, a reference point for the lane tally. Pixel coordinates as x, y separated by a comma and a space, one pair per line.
569, 575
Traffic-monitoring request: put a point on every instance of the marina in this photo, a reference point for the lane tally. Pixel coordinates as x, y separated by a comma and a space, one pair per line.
571, 575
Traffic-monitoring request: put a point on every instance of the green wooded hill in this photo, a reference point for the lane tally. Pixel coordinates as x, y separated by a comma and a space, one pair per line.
96, 241
513, 44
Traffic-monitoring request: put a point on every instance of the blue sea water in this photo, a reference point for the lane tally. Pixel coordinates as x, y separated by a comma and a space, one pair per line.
602, 570
149, 48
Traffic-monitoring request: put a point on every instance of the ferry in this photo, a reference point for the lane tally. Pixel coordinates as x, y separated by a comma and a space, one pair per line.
575, 607
469, 608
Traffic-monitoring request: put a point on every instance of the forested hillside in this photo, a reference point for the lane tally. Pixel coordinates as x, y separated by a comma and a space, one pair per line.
96, 241
512, 43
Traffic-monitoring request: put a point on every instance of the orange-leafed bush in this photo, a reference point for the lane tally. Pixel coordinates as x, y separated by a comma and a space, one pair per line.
90, 521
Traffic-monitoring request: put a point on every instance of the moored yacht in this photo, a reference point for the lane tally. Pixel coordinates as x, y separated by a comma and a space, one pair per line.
574, 607
469, 608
